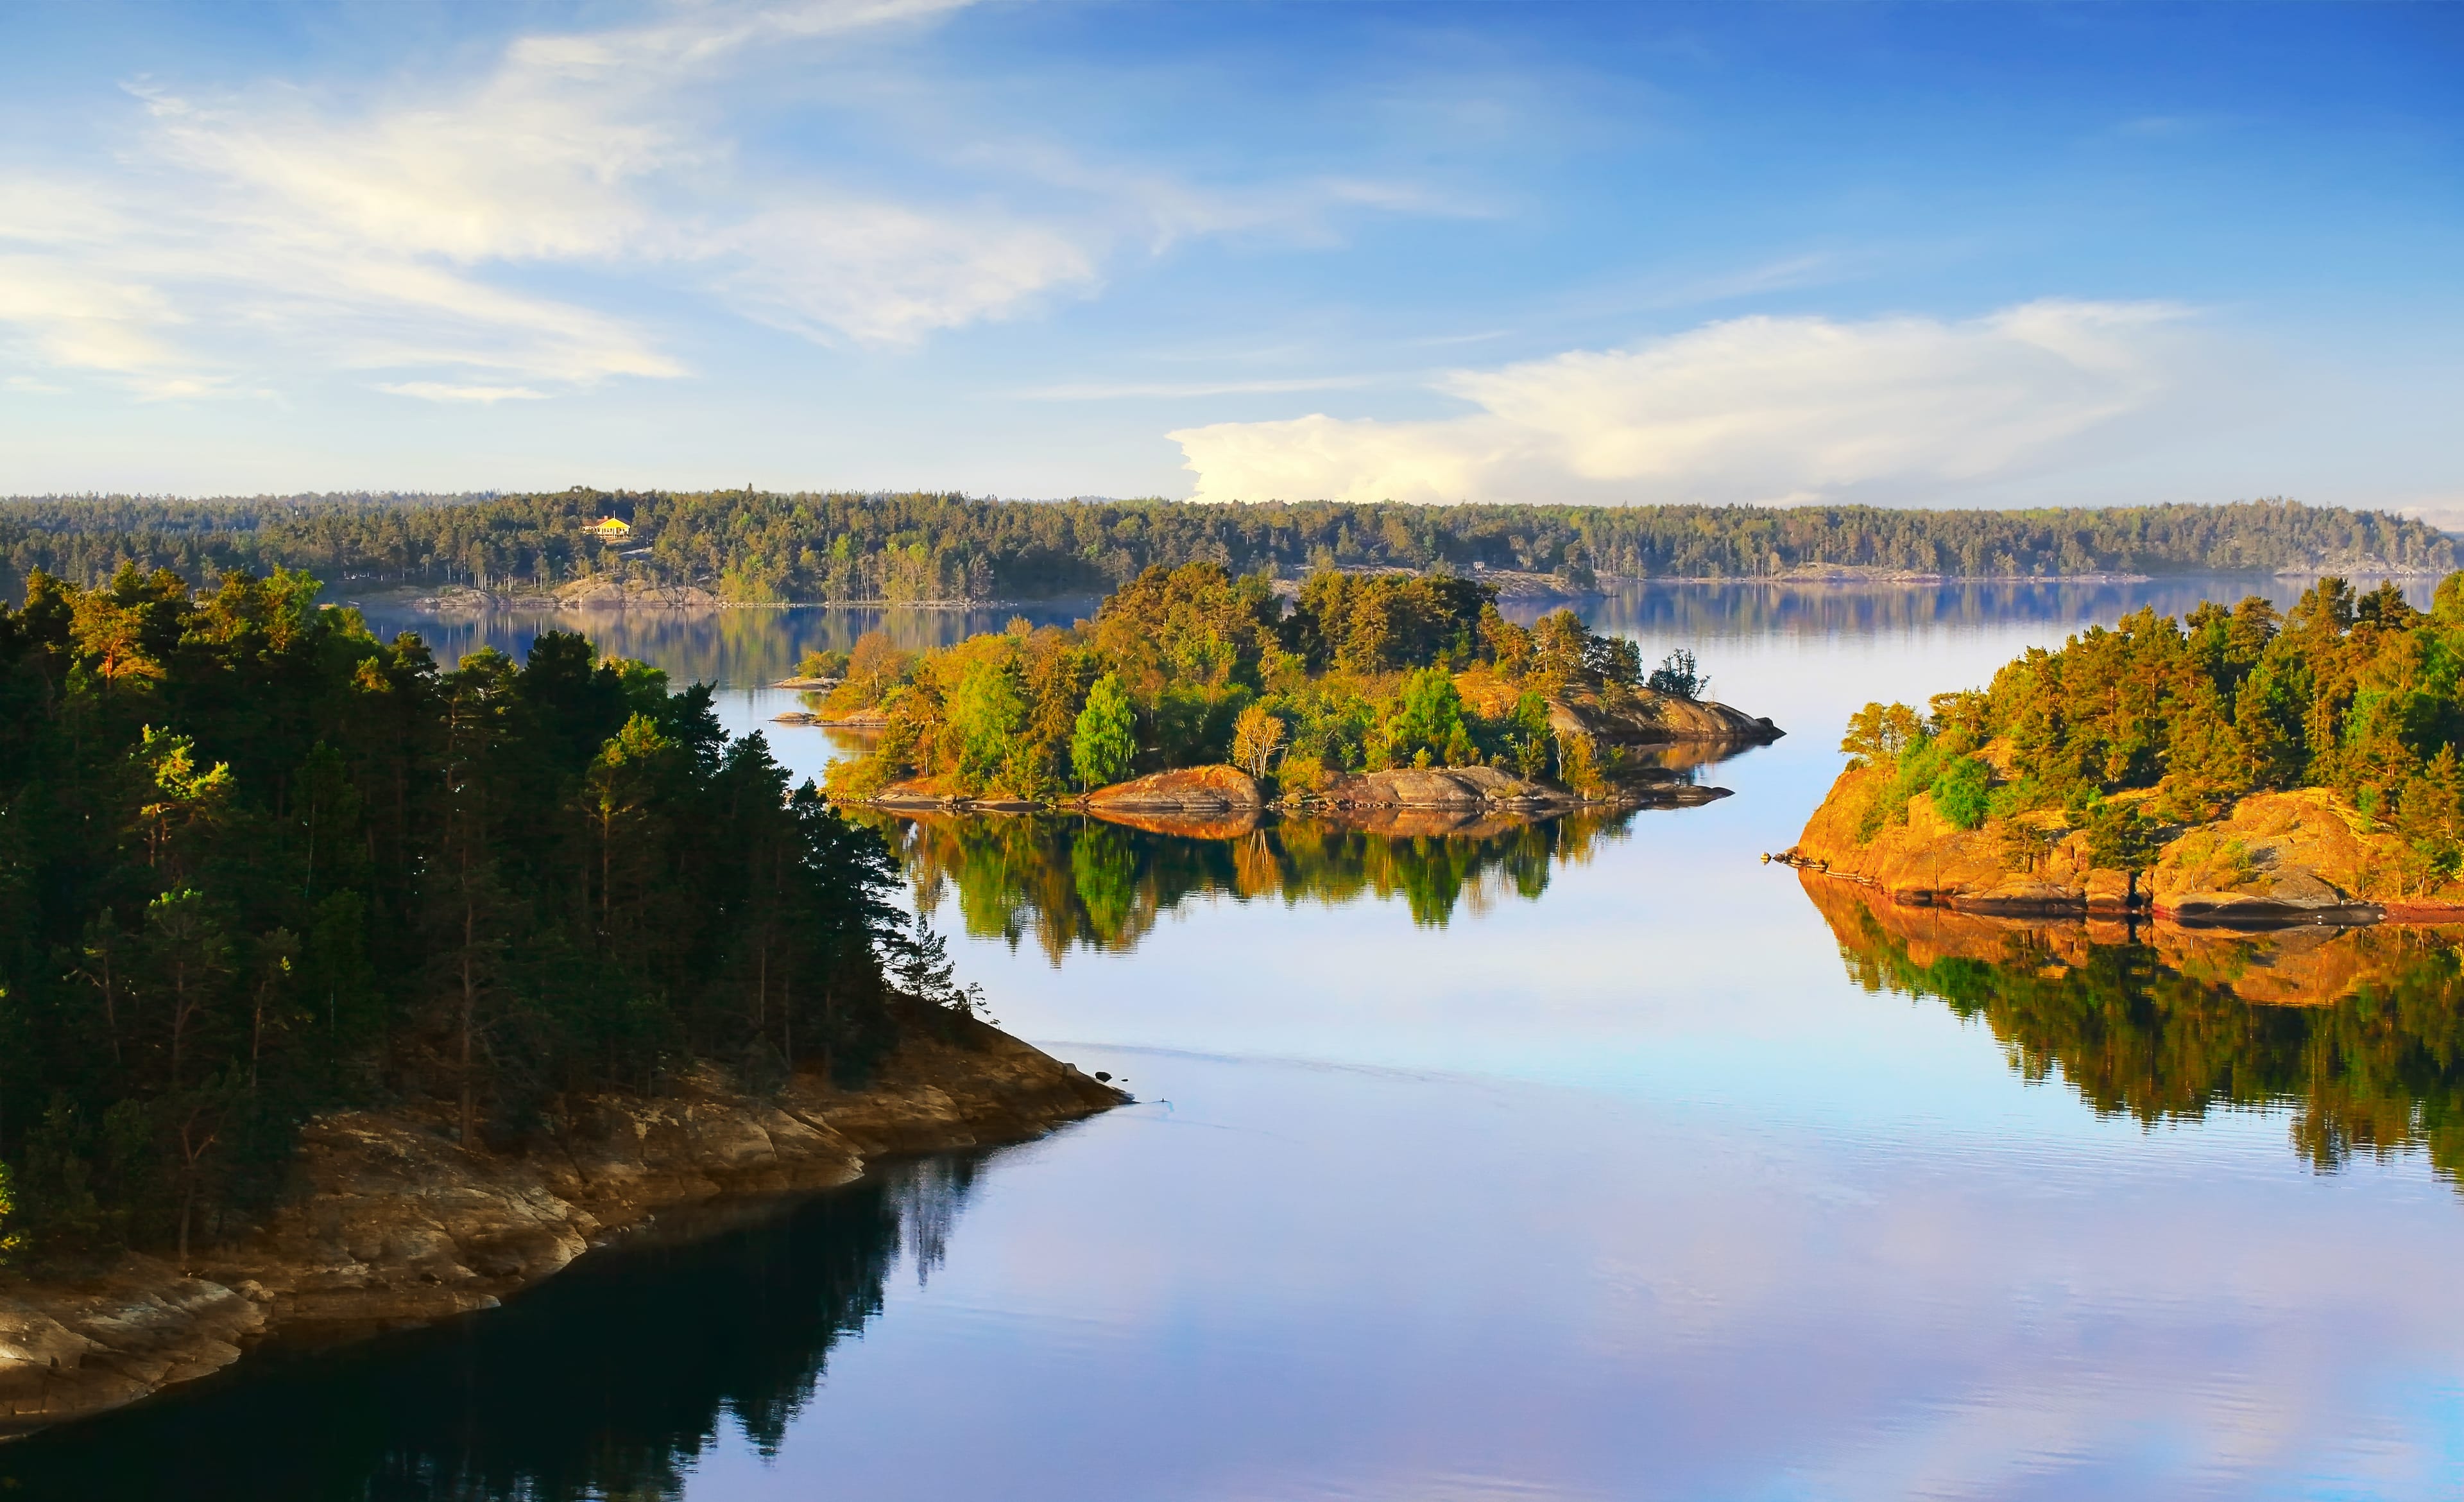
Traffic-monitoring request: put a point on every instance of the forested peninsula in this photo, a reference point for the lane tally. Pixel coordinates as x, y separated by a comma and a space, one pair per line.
2234, 767
1196, 693
339, 986
750, 546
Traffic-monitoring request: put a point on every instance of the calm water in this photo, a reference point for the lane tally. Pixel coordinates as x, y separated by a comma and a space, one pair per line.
1592, 1160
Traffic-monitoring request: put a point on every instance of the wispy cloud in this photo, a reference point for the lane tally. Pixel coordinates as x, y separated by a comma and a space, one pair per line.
439, 391
1757, 409
284, 225
1170, 389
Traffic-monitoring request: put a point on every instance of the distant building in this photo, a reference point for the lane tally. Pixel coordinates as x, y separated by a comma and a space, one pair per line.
612, 529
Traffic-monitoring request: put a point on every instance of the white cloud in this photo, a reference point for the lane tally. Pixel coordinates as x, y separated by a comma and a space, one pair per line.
1099, 391
886, 275
1755, 409
282, 227
439, 391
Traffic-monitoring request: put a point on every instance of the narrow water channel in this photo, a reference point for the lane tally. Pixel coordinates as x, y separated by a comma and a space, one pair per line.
1599, 1161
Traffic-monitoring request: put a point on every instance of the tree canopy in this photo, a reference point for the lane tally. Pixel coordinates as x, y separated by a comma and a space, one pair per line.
257, 864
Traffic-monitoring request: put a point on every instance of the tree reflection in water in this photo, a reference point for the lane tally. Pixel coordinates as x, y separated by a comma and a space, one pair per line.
652, 1348
2359, 1031
1075, 882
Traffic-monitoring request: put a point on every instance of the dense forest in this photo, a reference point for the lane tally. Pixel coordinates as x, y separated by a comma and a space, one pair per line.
1190, 667
756, 546
2173, 720
256, 864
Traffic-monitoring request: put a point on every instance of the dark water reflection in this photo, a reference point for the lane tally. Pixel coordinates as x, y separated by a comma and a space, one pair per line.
1071, 882
2358, 1032
737, 648
606, 1383
744, 647
1713, 611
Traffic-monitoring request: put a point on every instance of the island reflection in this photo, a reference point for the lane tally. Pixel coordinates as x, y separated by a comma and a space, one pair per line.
2360, 1032
656, 1353
1073, 882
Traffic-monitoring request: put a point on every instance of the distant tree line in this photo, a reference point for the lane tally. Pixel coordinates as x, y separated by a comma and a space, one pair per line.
759, 546
257, 864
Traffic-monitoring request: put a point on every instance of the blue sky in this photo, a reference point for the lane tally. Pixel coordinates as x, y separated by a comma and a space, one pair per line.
1937, 254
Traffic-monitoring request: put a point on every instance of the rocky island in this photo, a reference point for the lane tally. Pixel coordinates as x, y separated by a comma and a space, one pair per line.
1195, 694
2232, 768
340, 990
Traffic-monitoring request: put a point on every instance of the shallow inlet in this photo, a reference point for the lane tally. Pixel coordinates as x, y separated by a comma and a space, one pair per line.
1609, 1166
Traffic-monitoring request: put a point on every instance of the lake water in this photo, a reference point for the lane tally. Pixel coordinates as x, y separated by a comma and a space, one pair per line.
1592, 1160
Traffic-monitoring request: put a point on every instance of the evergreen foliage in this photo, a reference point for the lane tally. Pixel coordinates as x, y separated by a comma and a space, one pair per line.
757, 547
257, 864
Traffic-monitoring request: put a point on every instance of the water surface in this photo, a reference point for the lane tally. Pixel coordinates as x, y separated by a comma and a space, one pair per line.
1596, 1159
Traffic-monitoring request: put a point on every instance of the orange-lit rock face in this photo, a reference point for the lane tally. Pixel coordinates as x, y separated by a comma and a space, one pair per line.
2274, 858
1207, 790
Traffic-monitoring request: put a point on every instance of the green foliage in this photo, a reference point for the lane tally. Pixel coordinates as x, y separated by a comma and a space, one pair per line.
1679, 674
1360, 674
986, 712
1960, 792
1104, 739
256, 864
1879, 733
916, 547
1428, 718
2357, 693
10, 1243
819, 664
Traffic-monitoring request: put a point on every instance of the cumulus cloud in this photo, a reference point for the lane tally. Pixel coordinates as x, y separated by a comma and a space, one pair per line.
1754, 410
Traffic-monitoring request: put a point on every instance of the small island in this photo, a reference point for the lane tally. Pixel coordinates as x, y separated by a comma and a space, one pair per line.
1198, 693
2235, 768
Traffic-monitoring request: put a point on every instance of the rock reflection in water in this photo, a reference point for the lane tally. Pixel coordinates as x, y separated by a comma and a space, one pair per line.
1079, 883
2359, 1031
606, 1382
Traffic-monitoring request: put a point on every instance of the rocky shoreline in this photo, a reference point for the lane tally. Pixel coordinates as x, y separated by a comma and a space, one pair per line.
389, 1223
2273, 859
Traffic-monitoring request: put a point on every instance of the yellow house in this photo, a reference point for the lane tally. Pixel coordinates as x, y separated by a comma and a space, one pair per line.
613, 529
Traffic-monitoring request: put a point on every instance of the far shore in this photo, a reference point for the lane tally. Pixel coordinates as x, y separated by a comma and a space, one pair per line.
463, 599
